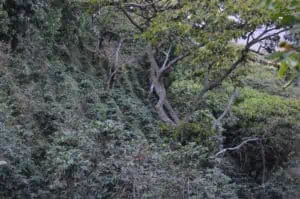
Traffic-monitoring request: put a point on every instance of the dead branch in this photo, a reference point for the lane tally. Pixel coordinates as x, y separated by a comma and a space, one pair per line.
115, 68
166, 59
238, 146
218, 122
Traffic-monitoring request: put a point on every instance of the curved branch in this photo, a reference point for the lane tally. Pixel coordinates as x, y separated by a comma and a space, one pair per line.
238, 146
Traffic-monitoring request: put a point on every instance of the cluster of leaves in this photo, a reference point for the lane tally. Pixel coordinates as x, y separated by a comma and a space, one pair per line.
289, 63
289, 58
190, 132
257, 106
193, 24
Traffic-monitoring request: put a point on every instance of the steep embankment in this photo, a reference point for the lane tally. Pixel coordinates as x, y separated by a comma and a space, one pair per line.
64, 135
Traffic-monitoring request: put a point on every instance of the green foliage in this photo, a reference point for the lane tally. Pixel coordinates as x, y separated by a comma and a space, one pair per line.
190, 132
219, 180
256, 106
273, 118
52, 24
198, 27
196, 132
63, 136
289, 15
289, 63
289, 60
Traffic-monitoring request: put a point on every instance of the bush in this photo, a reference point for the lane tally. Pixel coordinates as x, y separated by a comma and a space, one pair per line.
274, 119
189, 132
253, 105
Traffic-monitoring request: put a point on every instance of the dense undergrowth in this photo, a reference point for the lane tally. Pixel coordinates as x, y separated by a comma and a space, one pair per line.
63, 134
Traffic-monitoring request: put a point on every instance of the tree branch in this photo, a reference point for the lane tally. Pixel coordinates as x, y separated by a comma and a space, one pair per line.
216, 83
131, 19
238, 146
218, 122
263, 36
116, 67
242, 57
174, 61
166, 59
274, 34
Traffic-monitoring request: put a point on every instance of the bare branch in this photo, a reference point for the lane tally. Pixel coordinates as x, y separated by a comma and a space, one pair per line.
248, 37
177, 59
271, 35
257, 51
267, 30
242, 57
217, 122
263, 61
116, 67
264, 35
229, 71
238, 146
217, 125
259, 36
174, 61
167, 54
218, 82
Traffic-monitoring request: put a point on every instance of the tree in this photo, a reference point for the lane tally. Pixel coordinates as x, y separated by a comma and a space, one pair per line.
200, 32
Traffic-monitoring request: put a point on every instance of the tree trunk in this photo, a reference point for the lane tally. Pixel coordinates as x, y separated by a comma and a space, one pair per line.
163, 107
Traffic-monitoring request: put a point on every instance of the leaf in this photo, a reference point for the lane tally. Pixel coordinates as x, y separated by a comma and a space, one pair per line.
283, 69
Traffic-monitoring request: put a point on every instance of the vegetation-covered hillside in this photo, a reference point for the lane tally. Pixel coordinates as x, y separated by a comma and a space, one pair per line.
148, 99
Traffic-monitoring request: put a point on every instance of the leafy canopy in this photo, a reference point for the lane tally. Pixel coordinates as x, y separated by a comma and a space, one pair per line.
203, 31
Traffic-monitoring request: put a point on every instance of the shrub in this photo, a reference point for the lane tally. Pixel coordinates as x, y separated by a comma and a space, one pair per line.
273, 119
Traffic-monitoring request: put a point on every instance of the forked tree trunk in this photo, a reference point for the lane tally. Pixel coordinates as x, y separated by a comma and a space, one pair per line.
163, 107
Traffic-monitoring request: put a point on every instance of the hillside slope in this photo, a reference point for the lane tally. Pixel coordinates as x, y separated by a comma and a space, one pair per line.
65, 134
